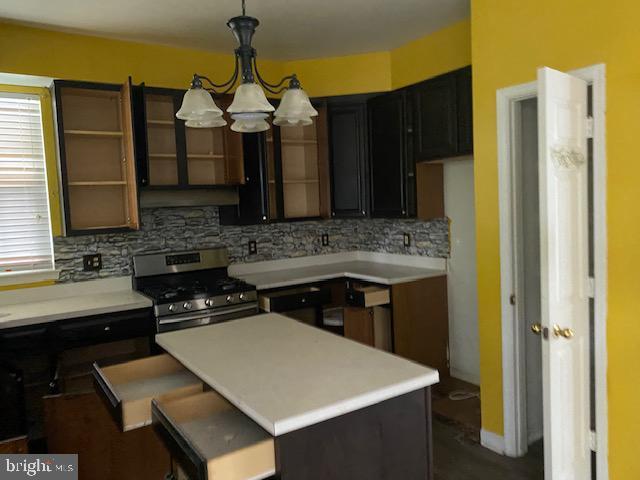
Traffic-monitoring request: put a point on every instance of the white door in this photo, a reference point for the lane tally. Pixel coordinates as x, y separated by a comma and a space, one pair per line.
564, 250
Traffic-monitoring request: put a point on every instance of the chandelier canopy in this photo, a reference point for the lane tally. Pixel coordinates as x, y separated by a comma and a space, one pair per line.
250, 108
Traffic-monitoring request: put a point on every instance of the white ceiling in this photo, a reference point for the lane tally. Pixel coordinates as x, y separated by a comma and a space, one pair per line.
290, 29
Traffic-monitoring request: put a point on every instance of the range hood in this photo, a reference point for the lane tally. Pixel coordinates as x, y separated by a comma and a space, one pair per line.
189, 198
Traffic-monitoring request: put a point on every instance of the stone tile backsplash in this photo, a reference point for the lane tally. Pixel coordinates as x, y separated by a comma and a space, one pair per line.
174, 229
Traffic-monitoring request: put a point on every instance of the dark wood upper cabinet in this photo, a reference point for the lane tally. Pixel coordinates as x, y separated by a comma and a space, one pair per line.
390, 177
97, 156
348, 159
465, 111
253, 206
435, 127
441, 110
173, 156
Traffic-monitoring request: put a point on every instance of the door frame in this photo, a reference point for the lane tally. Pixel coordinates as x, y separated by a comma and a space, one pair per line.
513, 352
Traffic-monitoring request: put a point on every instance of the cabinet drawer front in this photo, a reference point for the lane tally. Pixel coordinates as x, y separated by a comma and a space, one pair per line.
102, 329
23, 340
211, 439
367, 296
294, 299
129, 387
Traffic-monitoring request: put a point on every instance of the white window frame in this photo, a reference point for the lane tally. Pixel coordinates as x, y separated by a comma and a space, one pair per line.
39, 275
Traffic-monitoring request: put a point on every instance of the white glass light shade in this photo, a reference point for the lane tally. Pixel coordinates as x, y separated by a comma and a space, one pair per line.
292, 121
206, 122
250, 122
249, 97
295, 103
197, 102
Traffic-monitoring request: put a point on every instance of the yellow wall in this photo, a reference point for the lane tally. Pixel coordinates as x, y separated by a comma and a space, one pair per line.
442, 51
35, 51
510, 41
369, 72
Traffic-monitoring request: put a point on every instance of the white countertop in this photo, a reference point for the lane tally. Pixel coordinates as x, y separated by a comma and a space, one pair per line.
286, 375
386, 269
31, 306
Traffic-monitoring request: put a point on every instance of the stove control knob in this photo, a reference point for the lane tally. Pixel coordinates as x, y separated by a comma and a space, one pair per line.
172, 307
186, 305
229, 298
208, 302
241, 296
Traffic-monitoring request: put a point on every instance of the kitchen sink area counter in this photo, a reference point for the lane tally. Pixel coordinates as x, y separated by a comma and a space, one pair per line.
381, 268
24, 307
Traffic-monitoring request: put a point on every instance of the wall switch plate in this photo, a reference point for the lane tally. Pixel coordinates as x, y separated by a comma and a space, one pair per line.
253, 247
325, 239
407, 239
92, 263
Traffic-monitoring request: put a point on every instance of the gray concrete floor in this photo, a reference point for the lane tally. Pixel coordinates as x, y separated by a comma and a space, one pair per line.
458, 458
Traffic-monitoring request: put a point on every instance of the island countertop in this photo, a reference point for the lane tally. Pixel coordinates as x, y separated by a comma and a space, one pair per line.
286, 375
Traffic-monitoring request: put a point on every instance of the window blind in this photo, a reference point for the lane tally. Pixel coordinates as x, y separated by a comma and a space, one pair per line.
26, 242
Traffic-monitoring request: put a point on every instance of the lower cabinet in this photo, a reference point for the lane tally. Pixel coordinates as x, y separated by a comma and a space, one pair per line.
80, 424
421, 322
367, 318
371, 326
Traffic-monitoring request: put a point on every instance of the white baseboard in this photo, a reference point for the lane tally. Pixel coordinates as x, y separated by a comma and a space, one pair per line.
492, 441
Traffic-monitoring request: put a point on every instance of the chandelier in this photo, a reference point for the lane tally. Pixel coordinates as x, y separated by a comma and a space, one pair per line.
250, 108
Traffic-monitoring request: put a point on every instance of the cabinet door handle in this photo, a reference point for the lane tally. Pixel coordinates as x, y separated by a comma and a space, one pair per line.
107, 328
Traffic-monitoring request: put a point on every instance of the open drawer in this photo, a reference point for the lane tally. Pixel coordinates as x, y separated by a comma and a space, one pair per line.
367, 296
211, 439
129, 387
294, 299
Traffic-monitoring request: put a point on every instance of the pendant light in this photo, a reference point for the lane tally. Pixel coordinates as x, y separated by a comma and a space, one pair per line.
250, 108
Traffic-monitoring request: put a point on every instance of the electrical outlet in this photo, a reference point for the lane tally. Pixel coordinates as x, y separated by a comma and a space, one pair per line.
253, 248
407, 239
92, 263
325, 239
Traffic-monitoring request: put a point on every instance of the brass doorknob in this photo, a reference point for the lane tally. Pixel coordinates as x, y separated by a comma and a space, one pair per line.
562, 332
536, 328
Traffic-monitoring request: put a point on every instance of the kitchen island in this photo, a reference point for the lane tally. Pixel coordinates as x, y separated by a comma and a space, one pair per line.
333, 408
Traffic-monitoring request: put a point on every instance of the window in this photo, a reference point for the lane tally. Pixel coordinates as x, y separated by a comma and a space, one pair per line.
26, 242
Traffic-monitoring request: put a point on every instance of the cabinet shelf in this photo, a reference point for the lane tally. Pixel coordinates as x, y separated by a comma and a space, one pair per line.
296, 182
285, 141
102, 227
94, 133
162, 156
165, 123
107, 183
205, 156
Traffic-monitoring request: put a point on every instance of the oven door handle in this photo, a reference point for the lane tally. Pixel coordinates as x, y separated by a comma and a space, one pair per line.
217, 313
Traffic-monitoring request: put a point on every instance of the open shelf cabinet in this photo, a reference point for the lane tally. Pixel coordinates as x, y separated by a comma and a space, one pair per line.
298, 170
174, 156
97, 156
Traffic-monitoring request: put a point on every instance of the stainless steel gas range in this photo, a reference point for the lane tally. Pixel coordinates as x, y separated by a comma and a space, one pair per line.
193, 288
